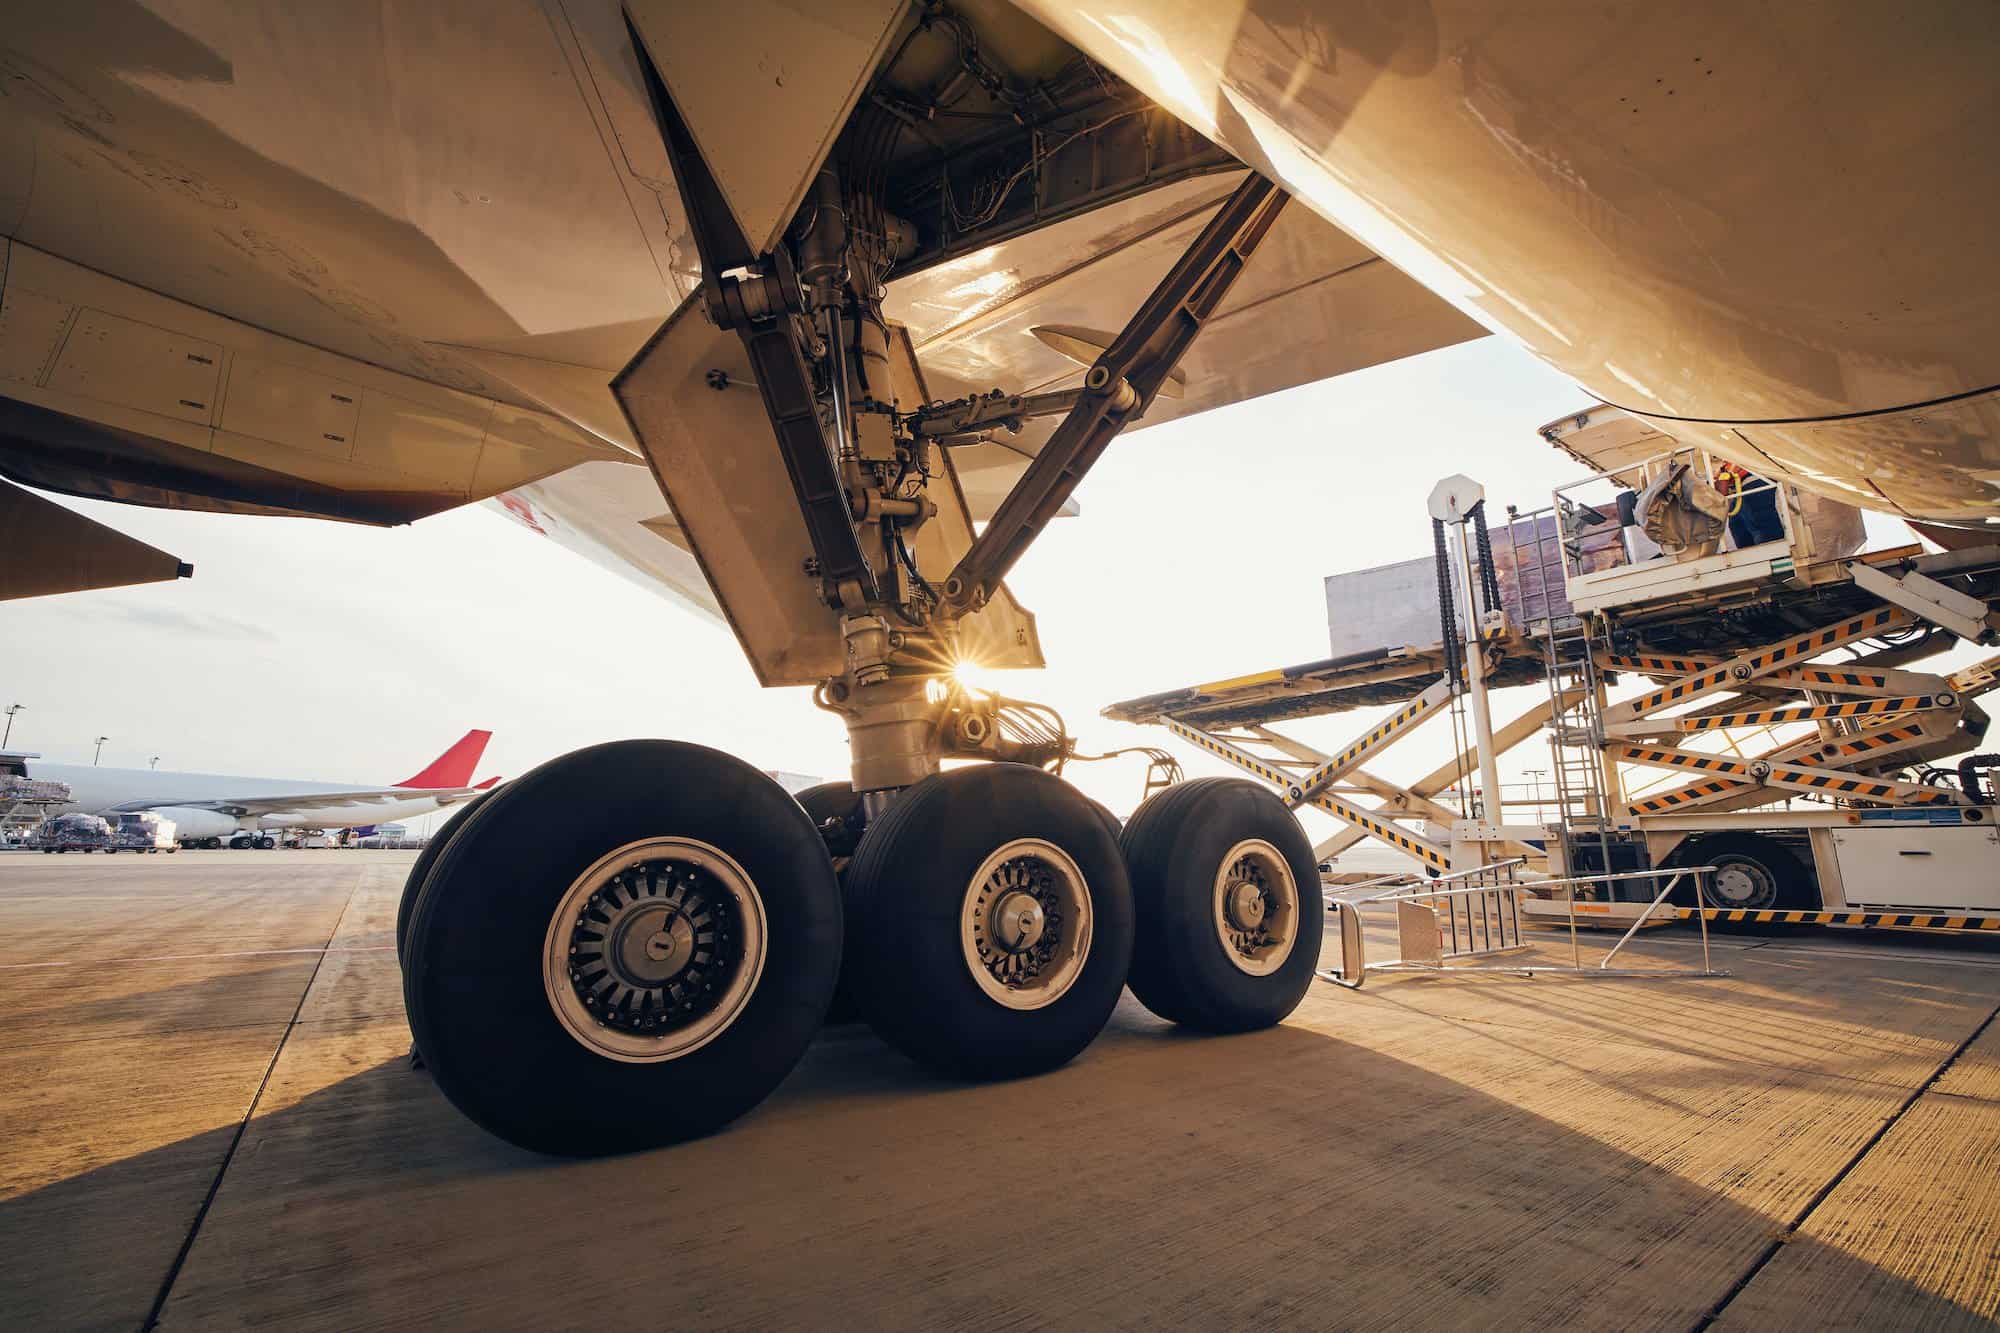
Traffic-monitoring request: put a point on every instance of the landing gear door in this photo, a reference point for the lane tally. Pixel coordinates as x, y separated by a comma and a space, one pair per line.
696, 411
1000, 635
764, 87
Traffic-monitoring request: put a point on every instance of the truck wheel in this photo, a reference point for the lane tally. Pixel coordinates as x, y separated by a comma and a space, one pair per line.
990, 921
643, 972
1228, 904
1752, 873
413, 884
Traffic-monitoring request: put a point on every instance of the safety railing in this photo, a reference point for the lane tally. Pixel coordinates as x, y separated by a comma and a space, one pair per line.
1599, 529
1484, 920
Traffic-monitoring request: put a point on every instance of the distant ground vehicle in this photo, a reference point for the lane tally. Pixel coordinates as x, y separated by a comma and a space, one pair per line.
73, 833
391, 836
140, 831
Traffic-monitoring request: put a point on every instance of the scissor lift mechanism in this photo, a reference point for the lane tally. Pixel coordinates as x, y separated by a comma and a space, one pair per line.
1307, 776
1868, 721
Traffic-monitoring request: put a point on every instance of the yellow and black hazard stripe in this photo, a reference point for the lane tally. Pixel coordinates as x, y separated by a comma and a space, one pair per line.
1911, 920
1846, 748
1648, 665
1758, 717
1802, 777
1835, 678
1429, 852
1765, 659
1423, 706
1240, 758
1395, 835
1694, 791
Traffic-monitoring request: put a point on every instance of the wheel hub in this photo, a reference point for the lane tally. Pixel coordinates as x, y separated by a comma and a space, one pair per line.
1256, 907
654, 948
1739, 885
1026, 925
1246, 905
654, 952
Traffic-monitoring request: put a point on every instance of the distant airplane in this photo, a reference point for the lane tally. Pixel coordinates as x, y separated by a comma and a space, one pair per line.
210, 809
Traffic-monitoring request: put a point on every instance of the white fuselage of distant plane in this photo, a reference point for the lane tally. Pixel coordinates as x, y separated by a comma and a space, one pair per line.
95, 790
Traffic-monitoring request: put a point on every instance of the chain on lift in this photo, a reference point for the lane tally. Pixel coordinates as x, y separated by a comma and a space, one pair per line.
1447, 617
1489, 577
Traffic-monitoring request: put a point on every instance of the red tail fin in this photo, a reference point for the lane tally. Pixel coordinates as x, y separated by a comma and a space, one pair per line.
487, 785
453, 768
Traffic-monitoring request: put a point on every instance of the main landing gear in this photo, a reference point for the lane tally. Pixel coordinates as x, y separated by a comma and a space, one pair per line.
655, 966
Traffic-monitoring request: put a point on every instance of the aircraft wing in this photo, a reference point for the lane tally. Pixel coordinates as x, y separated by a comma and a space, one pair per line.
305, 802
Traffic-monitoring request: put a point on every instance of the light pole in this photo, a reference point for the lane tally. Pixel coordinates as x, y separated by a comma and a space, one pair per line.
100, 750
155, 762
11, 710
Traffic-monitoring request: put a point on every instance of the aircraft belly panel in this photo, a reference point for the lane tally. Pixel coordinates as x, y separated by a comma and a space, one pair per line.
1939, 462
112, 391
368, 179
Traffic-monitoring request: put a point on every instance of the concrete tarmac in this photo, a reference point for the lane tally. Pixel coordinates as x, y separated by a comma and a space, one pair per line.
208, 1121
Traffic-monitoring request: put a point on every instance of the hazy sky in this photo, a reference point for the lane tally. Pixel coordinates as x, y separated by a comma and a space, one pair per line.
331, 652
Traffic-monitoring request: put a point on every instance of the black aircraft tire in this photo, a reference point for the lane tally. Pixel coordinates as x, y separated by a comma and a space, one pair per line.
1187, 965
912, 893
483, 982
836, 800
1753, 873
428, 857
1110, 821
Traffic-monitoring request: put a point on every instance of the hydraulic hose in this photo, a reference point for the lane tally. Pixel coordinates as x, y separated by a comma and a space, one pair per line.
1968, 776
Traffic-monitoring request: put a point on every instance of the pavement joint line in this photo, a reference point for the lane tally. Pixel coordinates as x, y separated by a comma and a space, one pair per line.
1783, 948
189, 957
1791, 1228
152, 1320
1477, 1027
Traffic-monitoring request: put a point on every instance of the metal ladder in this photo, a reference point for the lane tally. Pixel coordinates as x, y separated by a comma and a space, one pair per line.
1576, 730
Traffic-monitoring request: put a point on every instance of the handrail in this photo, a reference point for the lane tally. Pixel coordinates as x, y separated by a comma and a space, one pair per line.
1416, 892
1399, 882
